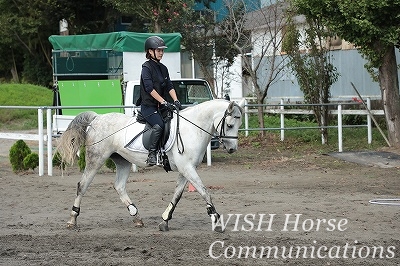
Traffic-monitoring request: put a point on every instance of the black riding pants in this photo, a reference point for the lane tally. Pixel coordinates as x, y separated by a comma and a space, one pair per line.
152, 116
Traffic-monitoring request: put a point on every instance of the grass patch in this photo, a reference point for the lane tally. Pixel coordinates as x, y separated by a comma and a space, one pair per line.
301, 140
22, 95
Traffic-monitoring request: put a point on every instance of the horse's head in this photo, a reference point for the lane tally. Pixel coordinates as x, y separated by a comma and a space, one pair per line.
229, 126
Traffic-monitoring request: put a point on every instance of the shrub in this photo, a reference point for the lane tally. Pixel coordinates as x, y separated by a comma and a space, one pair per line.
18, 152
31, 161
82, 160
58, 162
110, 164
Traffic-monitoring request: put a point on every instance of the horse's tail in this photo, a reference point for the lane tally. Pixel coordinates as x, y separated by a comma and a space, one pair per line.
74, 137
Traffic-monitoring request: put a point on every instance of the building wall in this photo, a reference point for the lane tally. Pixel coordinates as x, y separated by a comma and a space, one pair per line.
350, 66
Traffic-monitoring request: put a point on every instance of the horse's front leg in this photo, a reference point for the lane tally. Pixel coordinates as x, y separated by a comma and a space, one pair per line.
194, 178
167, 215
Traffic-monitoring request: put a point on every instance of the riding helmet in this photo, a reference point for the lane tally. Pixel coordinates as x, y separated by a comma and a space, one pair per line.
154, 42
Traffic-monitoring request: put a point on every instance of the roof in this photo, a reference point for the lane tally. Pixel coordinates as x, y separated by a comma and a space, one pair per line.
122, 41
266, 17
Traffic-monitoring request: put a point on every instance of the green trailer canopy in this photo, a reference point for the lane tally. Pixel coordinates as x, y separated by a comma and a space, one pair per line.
123, 41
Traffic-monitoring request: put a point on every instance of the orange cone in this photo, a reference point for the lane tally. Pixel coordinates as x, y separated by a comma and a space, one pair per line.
191, 188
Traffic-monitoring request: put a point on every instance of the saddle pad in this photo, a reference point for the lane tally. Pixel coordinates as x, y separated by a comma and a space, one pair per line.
135, 128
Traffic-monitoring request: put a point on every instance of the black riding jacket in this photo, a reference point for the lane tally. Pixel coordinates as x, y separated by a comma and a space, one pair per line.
154, 76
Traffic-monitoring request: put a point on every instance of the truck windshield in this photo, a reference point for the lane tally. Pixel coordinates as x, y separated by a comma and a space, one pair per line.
189, 92
192, 91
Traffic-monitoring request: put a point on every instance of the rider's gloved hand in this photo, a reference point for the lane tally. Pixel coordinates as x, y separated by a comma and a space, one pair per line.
178, 105
168, 105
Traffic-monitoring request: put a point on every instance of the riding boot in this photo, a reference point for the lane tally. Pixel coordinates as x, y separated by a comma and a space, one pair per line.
156, 132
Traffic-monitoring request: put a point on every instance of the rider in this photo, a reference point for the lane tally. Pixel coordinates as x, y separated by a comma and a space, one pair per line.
155, 83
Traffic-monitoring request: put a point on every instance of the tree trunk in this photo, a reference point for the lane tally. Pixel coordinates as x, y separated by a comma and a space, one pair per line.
389, 85
14, 71
260, 115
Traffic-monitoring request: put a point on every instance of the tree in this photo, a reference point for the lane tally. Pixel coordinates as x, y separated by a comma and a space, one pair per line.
26, 26
197, 28
158, 14
373, 26
259, 33
309, 58
206, 44
23, 25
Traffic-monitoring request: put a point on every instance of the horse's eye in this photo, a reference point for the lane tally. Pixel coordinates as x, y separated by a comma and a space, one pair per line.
229, 126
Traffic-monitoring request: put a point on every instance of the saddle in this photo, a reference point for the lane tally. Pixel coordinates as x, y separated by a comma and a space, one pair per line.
165, 140
167, 117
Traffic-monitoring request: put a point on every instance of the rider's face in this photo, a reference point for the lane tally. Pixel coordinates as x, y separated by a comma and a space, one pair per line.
157, 53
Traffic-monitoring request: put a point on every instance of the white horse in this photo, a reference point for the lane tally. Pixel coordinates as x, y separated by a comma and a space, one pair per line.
103, 137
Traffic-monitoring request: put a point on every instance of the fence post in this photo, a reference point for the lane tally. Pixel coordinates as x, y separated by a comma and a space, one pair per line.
282, 122
369, 123
209, 154
340, 128
40, 133
246, 118
49, 143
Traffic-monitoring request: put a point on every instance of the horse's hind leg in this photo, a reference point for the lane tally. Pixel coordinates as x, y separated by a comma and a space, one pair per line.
123, 170
167, 215
94, 161
82, 186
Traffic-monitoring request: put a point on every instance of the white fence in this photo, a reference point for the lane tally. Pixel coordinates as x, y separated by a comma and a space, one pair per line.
339, 112
45, 135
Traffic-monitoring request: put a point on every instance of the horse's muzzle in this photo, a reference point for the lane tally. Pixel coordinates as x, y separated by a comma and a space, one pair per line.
231, 150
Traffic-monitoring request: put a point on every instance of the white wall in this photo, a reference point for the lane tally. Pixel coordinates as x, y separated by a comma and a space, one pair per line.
229, 80
132, 64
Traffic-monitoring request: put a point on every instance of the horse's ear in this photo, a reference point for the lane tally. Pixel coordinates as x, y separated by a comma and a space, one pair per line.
230, 107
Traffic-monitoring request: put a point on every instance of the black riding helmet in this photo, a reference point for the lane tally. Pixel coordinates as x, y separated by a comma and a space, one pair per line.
154, 42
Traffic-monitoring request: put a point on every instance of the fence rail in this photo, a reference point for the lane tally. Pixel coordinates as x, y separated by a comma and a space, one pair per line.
339, 112
45, 135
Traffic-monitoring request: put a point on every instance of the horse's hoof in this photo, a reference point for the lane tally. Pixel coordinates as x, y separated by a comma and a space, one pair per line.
71, 225
163, 226
138, 223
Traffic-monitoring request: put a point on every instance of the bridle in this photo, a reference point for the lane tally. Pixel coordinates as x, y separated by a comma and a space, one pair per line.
221, 135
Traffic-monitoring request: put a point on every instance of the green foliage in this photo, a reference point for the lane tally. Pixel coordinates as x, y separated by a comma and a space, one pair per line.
313, 70
36, 70
373, 26
82, 161
24, 45
110, 164
82, 158
17, 154
370, 25
354, 120
159, 14
31, 161
57, 161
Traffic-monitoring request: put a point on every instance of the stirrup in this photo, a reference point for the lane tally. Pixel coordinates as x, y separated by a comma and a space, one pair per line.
152, 162
158, 159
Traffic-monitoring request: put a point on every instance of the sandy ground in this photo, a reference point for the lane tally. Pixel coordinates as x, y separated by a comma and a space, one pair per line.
265, 191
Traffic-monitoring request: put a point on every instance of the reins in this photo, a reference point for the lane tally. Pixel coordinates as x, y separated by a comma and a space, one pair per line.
220, 136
